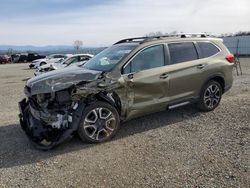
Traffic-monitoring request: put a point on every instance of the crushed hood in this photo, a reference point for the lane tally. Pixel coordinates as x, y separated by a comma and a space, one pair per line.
60, 79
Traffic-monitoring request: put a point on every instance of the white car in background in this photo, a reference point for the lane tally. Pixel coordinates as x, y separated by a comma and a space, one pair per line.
77, 59
48, 60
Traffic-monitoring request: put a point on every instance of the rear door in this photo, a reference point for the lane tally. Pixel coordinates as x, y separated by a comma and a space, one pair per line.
185, 71
147, 81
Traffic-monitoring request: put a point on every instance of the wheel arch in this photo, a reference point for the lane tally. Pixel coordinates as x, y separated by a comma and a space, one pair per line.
217, 77
111, 98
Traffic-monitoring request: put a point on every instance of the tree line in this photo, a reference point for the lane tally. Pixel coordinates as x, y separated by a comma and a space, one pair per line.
159, 33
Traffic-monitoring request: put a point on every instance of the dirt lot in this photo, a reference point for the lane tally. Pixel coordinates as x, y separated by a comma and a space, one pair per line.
177, 148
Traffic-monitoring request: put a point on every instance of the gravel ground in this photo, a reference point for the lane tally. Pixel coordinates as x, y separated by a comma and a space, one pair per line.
177, 148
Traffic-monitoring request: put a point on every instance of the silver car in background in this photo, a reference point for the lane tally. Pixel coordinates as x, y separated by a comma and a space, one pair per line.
48, 60
77, 59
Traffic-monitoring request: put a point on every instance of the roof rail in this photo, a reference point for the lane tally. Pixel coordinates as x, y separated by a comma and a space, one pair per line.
202, 35
136, 39
146, 39
142, 39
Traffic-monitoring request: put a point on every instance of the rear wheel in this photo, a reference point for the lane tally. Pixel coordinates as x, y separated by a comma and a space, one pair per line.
99, 123
210, 96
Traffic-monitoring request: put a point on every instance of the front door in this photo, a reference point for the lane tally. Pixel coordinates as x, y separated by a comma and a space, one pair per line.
147, 81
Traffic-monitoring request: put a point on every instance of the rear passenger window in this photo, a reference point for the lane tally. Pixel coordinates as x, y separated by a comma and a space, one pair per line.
207, 49
181, 52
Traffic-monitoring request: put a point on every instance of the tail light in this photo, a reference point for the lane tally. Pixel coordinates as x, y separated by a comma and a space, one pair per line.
230, 58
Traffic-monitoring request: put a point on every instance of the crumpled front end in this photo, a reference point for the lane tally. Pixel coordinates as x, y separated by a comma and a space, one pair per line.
55, 102
49, 119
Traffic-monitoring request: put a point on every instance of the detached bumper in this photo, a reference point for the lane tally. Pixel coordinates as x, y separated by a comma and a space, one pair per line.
33, 120
44, 130
39, 133
23, 105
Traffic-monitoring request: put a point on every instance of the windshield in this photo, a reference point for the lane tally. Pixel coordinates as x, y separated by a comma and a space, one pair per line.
108, 58
60, 61
71, 60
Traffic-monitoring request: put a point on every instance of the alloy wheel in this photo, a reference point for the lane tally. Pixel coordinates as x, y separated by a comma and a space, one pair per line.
99, 124
212, 96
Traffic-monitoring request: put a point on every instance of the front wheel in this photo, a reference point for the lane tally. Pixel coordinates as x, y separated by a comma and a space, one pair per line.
99, 123
210, 96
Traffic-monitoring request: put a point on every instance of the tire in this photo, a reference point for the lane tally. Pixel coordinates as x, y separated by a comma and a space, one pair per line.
42, 63
210, 96
100, 123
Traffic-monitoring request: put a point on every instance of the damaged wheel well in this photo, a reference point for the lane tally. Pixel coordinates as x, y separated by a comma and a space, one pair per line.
111, 98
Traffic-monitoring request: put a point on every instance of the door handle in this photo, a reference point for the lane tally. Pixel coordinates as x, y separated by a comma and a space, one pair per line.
201, 66
164, 76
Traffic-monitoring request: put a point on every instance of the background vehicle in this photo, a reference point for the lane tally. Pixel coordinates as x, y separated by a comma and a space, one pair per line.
134, 77
4, 59
48, 60
26, 57
23, 58
15, 58
34, 56
76, 59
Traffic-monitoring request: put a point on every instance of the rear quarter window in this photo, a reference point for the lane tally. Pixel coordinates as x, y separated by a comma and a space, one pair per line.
207, 49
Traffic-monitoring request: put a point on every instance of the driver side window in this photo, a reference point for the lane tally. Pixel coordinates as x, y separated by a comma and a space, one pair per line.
149, 58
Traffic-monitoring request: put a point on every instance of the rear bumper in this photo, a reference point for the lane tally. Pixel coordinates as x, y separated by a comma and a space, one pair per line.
229, 79
228, 87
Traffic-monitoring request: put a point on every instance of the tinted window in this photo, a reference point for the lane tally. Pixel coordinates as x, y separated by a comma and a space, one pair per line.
149, 58
207, 49
181, 52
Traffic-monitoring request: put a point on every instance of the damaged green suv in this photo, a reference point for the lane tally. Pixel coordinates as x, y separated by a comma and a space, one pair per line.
132, 78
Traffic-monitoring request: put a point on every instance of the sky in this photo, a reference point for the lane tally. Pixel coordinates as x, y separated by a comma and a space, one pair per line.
103, 22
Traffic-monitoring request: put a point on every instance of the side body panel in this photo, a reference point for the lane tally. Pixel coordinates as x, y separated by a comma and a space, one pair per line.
185, 81
148, 90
